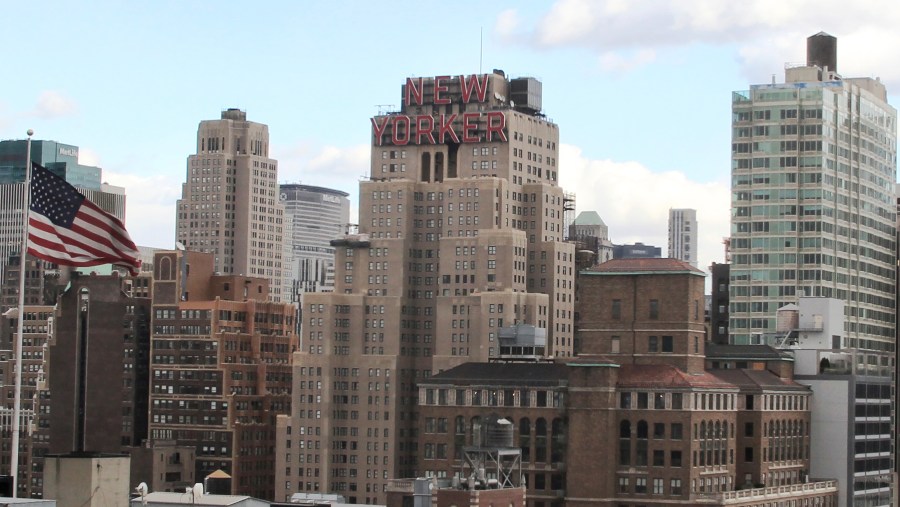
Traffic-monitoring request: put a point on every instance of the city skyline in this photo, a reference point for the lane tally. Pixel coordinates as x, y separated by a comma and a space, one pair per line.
596, 73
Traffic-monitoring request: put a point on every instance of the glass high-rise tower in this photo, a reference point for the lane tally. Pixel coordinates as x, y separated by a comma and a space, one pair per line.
813, 208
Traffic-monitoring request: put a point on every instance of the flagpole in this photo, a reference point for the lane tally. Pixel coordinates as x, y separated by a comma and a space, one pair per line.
17, 404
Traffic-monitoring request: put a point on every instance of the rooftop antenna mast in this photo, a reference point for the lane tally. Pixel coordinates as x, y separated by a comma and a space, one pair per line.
480, 47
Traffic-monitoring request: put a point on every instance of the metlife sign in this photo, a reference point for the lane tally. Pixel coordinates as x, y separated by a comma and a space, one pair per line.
68, 151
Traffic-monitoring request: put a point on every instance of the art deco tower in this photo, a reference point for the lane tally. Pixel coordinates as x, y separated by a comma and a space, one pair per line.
229, 205
461, 235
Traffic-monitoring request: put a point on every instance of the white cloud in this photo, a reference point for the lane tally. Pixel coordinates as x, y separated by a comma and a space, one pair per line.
568, 20
150, 206
53, 104
338, 168
87, 156
769, 32
621, 62
507, 24
634, 201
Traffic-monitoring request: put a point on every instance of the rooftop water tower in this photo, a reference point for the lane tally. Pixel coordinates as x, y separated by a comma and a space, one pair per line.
493, 462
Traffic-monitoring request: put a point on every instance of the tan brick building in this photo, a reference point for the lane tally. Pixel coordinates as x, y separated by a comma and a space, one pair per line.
229, 202
461, 234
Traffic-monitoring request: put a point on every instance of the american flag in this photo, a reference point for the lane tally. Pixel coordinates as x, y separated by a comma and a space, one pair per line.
65, 228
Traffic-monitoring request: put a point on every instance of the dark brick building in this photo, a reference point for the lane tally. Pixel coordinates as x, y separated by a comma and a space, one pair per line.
639, 418
220, 369
718, 307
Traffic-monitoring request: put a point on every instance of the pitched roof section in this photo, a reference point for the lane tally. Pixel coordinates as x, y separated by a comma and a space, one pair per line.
664, 375
588, 218
502, 374
759, 379
642, 266
747, 352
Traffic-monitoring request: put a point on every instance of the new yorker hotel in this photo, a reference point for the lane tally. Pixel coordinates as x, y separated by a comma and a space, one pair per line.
460, 235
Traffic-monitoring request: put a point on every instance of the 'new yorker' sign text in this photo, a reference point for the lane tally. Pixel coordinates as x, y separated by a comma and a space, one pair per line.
442, 128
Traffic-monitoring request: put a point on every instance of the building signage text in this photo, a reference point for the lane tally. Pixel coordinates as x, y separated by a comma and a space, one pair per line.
442, 128
69, 151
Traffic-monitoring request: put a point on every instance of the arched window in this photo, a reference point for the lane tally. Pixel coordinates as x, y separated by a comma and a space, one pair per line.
438, 167
625, 429
640, 458
642, 432
540, 440
426, 166
475, 431
557, 441
459, 437
165, 269
625, 442
525, 438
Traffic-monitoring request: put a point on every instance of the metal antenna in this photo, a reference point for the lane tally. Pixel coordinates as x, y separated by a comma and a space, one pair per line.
480, 47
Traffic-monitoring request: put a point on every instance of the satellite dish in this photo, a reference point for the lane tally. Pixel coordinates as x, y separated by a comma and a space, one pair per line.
179, 246
142, 491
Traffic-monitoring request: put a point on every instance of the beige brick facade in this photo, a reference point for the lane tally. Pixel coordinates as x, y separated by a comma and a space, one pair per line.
461, 234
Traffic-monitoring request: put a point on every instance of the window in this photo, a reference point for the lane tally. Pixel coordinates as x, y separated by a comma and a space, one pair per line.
675, 431
748, 429
614, 345
675, 487
643, 400
748, 454
657, 486
675, 458
659, 401
668, 344
653, 344
623, 484
659, 458
616, 309
659, 430
654, 309
677, 401
640, 485
624, 400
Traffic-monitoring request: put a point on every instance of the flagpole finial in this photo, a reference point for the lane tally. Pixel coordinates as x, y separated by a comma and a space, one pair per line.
30, 132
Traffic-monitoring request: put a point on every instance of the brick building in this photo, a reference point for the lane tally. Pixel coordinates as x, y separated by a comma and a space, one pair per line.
114, 326
461, 234
643, 422
220, 368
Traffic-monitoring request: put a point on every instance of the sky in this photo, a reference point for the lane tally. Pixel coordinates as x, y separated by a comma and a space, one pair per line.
641, 90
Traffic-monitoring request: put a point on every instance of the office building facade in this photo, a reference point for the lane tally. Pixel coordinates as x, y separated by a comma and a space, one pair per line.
229, 202
852, 434
636, 251
683, 235
313, 216
813, 205
461, 234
